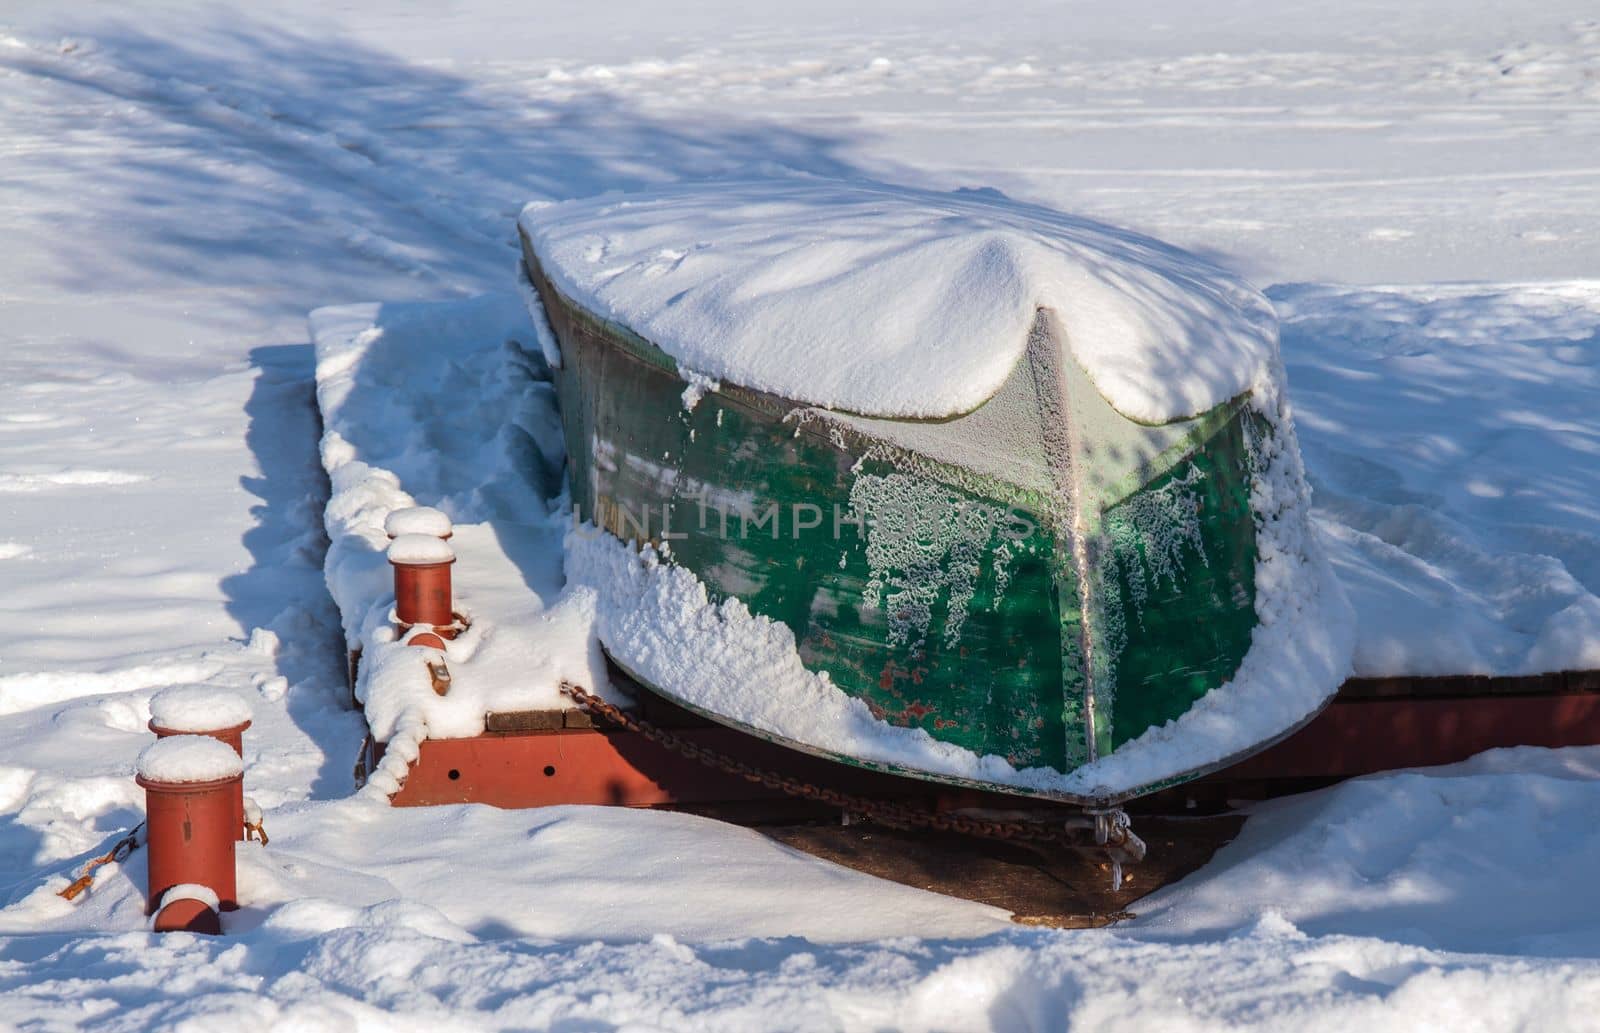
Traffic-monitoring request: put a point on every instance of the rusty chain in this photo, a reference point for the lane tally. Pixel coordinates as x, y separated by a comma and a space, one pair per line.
120, 850
255, 824
1114, 839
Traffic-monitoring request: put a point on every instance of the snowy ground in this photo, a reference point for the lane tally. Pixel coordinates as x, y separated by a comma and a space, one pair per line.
178, 190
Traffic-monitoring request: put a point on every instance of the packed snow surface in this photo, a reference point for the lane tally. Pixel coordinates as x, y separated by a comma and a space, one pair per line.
1452, 439
198, 708
188, 758
887, 301
1513, 831
1382, 904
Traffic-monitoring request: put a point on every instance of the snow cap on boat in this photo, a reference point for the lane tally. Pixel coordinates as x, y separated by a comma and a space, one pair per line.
198, 708
188, 758
892, 302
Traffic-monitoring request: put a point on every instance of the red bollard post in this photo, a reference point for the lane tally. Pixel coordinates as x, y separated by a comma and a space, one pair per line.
422, 590
190, 783
200, 710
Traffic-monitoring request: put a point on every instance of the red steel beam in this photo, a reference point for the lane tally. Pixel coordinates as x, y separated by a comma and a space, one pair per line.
536, 769
593, 766
1358, 737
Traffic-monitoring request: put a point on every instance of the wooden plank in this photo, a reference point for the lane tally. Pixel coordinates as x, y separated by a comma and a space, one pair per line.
1582, 681
523, 720
1038, 884
1464, 686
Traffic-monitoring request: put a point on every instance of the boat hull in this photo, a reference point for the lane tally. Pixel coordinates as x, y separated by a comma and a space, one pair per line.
943, 599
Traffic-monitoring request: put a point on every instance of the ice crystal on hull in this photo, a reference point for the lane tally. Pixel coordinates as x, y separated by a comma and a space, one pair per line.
1142, 542
924, 543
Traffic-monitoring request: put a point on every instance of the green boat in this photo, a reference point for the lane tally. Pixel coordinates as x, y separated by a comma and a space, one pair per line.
1039, 579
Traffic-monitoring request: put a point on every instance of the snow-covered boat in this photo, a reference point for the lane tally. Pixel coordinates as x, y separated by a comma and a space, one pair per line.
1004, 498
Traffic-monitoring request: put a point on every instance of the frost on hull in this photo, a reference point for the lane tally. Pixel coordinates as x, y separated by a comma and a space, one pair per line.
1035, 584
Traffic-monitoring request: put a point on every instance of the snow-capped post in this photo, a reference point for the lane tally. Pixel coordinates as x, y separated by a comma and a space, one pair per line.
422, 590
201, 710
418, 520
190, 784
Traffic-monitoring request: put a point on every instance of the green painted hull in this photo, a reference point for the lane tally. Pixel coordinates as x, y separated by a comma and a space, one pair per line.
939, 571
